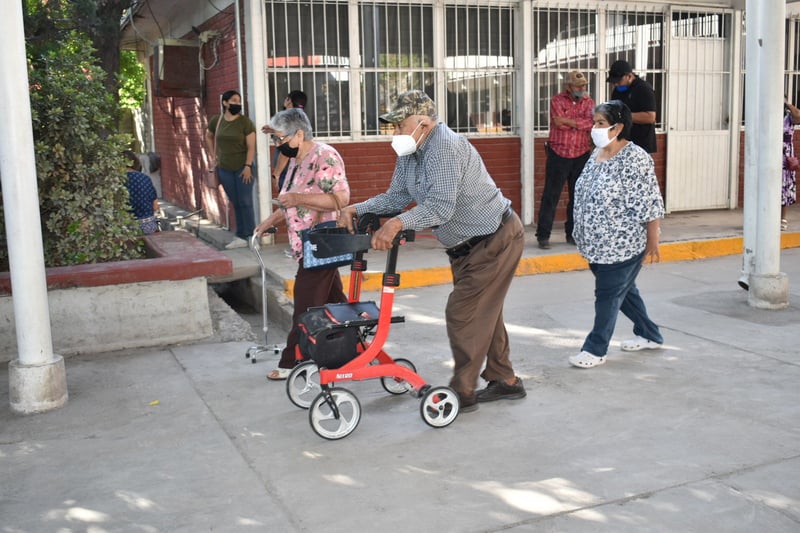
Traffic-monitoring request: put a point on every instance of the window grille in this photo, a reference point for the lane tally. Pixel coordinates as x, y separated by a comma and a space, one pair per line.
565, 39
638, 37
353, 57
397, 49
479, 68
792, 78
569, 38
308, 49
312, 46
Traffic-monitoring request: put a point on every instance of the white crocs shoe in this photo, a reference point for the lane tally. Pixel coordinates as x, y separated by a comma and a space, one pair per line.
586, 360
639, 343
237, 242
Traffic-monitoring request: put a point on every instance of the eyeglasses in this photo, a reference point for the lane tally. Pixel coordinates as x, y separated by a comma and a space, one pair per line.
280, 140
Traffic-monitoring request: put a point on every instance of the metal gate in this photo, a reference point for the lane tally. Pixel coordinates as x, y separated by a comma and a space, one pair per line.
699, 111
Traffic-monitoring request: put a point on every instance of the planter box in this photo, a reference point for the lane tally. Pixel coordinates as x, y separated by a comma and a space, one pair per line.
126, 304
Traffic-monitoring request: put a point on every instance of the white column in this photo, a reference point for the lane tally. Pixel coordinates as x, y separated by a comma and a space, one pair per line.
37, 379
752, 84
258, 99
523, 113
769, 288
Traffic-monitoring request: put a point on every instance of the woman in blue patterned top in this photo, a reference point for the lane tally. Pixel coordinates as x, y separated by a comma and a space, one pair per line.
617, 209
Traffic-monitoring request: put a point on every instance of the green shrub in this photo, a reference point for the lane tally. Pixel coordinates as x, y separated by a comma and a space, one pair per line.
83, 199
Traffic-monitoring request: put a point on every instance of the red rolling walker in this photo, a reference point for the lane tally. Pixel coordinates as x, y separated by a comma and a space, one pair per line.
335, 338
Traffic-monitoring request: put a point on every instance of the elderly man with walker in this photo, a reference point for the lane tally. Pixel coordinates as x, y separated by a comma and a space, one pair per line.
443, 174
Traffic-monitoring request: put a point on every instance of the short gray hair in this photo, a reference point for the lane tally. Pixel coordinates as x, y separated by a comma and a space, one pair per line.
290, 121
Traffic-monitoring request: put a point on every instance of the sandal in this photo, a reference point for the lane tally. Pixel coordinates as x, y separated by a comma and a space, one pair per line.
586, 360
279, 374
784, 224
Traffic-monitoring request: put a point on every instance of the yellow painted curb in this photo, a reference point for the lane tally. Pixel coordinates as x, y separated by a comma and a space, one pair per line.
545, 264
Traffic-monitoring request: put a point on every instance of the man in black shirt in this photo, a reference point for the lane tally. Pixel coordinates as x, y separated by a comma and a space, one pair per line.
638, 95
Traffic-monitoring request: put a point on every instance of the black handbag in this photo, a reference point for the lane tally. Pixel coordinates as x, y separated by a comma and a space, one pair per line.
312, 262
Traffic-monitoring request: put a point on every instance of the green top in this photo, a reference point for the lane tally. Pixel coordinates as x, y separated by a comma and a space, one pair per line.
231, 143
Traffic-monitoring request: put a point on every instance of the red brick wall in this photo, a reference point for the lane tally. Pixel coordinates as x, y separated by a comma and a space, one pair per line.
180, 125
369, 166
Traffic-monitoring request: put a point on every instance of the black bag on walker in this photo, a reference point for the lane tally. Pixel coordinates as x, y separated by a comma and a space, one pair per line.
327, 343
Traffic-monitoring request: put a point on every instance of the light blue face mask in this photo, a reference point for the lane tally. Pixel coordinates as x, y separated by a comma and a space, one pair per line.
578, 94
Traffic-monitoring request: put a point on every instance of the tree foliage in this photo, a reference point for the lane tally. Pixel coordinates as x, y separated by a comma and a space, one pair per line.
131, 81
50, 22
81, 174
83, 199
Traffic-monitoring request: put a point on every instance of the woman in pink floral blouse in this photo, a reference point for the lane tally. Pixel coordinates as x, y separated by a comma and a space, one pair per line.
314, 177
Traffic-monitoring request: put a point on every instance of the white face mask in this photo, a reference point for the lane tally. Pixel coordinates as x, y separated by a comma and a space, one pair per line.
405, 144
600, 137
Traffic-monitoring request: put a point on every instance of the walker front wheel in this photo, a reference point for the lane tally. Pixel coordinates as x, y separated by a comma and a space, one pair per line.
439, 407
302, 386
334, 414
396, 385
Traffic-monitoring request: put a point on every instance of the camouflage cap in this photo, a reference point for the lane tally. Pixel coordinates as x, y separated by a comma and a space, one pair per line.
576, 79
410, 103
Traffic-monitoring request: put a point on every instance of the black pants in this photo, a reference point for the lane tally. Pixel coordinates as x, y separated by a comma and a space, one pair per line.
559, 170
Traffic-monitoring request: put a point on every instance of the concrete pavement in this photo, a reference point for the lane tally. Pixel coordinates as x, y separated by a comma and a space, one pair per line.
703, 435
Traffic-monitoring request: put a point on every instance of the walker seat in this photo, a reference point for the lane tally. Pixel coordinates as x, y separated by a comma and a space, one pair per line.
330, 335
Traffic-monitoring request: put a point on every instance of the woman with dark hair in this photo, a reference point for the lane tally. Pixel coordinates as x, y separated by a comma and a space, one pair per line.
617, 210
231, 138
315, 188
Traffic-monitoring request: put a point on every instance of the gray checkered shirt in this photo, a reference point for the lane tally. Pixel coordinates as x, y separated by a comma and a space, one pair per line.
454, 193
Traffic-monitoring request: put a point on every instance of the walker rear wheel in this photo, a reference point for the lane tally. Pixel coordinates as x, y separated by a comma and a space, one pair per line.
395, 385
439, 407
303, 384
334, 414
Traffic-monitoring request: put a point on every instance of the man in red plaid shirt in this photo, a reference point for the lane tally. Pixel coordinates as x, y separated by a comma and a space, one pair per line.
568, 149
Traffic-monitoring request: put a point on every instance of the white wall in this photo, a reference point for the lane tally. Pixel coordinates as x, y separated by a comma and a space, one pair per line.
115, 317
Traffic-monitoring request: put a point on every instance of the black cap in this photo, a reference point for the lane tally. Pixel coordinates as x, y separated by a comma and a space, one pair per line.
618, 69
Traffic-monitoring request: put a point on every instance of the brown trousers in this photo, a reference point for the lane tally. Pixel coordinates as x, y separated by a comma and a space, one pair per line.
474, 312
312, 288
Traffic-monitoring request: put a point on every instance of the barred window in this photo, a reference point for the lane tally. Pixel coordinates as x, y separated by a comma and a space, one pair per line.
568, 39
479, 68
564, 40
638, 38
310, 47
792, 77
397, 50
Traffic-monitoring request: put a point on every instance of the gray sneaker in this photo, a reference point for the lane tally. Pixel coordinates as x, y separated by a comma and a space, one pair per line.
500, 390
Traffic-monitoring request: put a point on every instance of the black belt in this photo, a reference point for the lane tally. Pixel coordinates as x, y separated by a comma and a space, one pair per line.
465, 247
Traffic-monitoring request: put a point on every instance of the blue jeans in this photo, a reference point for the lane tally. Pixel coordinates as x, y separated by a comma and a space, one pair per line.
240, 195
615, 290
